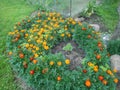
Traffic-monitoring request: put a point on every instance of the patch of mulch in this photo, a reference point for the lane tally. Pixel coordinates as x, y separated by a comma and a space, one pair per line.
76, 55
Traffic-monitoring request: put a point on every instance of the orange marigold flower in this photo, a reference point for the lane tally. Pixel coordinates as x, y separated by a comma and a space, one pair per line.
35, 61
38, 21
109, 72
88, 83
104, 82
116, 80
59, 78
98, 56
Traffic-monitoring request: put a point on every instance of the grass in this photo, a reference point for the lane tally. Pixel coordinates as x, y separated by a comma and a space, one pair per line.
11, 11
109, 14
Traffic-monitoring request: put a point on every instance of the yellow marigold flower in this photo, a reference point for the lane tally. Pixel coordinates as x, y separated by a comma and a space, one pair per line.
29, 40
38, 41
67, 61
51, 63
90, 64
34, 47
115, 70
36, 55
44, 43
62, 35
46, 47
16, 31
26, 35
27, 45
116, 80
59, 63
95, 69
31, 45
33, 51
37, 48
73, 22
22, 31
10, 53
49, 18
109, 72
38, 21
69, 35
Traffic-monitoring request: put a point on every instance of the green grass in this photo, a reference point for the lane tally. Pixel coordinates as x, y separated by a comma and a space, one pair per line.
109, 14
11, 11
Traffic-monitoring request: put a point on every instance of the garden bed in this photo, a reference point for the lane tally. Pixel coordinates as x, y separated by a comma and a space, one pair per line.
51, 52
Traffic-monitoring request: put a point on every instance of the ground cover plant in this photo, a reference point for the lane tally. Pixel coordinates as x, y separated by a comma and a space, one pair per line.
30, 45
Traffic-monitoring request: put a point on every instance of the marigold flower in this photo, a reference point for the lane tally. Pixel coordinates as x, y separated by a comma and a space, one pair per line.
90, 64
38, 21
46, 47
31, 45
62, 35
109, 72
26, 35
116, 80
36, 55
37, 48
95, 69
51, 63
59, 78
104, 82
10, 53
35, 61
44, 43
67, 61
88, 83
27, 45
115, 70
59, 63
38, 41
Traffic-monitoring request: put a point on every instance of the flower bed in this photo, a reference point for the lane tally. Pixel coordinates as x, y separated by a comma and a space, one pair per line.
30, 44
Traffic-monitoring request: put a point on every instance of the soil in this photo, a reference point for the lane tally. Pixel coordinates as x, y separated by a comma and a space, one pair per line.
76, 55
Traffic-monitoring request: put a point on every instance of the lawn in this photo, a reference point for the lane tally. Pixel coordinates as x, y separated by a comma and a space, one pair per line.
11, 11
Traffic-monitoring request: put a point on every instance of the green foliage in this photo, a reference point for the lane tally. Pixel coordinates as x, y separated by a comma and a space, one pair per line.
90, 9
29, 48
68, 47
113, 47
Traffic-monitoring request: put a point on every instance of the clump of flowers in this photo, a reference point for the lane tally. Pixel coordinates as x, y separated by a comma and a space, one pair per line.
29, 48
